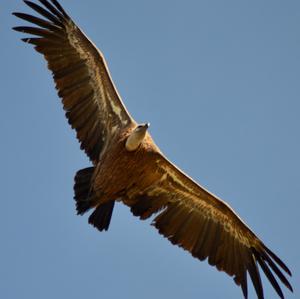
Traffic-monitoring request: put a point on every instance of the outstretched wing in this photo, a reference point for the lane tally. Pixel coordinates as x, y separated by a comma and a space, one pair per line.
92, 103
196, 220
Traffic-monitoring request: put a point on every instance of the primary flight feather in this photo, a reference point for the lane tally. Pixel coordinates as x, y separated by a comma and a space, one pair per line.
127, 165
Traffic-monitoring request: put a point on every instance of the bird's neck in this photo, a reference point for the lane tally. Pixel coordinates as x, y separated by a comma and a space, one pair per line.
134, 140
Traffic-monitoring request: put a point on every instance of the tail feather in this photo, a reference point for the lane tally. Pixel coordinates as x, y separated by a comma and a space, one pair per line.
83, 196
85, 205
86, 199
101, 217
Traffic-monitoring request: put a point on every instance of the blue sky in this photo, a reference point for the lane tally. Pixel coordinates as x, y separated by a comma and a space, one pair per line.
219, 82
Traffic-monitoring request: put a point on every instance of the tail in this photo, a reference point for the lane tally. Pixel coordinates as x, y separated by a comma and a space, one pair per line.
101, 217
86, 199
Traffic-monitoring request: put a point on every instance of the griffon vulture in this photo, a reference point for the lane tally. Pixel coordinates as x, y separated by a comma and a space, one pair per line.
127, 165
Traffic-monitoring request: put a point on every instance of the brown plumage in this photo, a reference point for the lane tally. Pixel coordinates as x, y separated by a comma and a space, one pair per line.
129, 167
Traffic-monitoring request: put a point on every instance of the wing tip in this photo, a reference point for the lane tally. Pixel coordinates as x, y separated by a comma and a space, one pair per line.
277, 260
266, 255
18, 29
26, 40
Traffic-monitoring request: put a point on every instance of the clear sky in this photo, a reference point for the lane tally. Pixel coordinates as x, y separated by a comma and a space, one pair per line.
219, 82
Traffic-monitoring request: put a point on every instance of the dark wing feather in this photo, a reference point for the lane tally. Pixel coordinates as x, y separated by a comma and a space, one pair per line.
92, 104
196, 220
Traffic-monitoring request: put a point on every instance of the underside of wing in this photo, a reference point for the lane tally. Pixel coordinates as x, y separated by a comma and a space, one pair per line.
90, 99
196, 220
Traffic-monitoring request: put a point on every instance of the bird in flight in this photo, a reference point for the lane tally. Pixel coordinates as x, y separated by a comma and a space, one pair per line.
127, 166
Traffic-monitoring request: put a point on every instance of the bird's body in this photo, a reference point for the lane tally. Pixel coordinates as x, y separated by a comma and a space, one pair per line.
109, 178
127, 166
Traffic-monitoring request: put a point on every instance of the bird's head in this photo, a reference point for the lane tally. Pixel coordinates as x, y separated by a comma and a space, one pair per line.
136, 137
